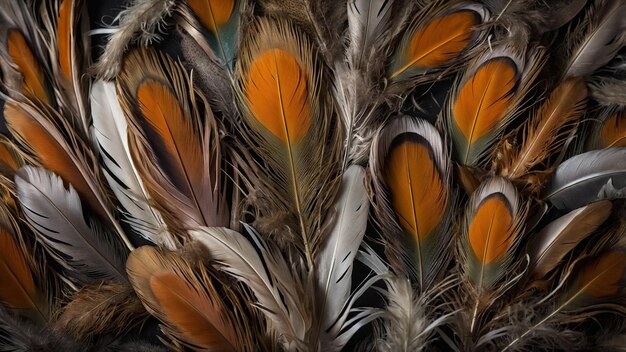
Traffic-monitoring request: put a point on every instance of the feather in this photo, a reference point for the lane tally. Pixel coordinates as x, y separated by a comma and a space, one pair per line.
184, 299
20, 335
34, 81
432, 43
610, 132
87, 252
174, 142
598, 283
268, 275
578, 180
283, 101
220, 18
606, 85
491, 232
550, 245
34, 130
485, 100
70, 59
19, 290
141, 21
411, 176
546, 132
335, 260
599, 42
110, 132
100, 310
368, 20
8, 155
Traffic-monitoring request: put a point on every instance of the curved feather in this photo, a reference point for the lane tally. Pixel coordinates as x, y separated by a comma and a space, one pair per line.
268, 275
411, 175
610, 131
491, 231
173, 140
486, 97
546, 132
578, 180
549, 246
184, 299
110, 132
335, 260
603, 36
284, 102
55, 214
434, 42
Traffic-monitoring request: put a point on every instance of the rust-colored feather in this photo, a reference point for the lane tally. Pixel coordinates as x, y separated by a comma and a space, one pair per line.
65, 21
438, 42
52, 155
484, 98
613, 132
7, 158
212, 13
34, 80
603, 277
546, 132
184, 299
418, 192
18, 289
276, 88
491, 230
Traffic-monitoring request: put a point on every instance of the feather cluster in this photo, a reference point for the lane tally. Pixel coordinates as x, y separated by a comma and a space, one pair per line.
300, 175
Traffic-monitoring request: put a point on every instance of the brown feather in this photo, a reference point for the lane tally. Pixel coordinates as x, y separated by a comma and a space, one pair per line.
33, 78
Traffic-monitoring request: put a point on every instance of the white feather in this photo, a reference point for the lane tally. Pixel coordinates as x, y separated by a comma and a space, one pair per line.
110, 135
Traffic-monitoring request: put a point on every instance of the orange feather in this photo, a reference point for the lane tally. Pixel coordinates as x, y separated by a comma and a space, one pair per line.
187, 307
64, 37
33, 85
603, 277
50, 153
277, 93
212, 13
613, 133
491, 230
439, 41
418, 193
485, 98
7, 158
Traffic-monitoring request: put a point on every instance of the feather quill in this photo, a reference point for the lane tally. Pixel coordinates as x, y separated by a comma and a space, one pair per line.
55, 214
579, 180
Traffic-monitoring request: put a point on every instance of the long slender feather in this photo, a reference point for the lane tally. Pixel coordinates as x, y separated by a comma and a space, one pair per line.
549, 246
578, 180
602, 38
547, 131
174, 142
54, 212
110, 131
34, 81
335, 260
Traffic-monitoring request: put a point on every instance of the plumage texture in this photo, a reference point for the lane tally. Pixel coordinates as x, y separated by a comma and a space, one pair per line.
312, 175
